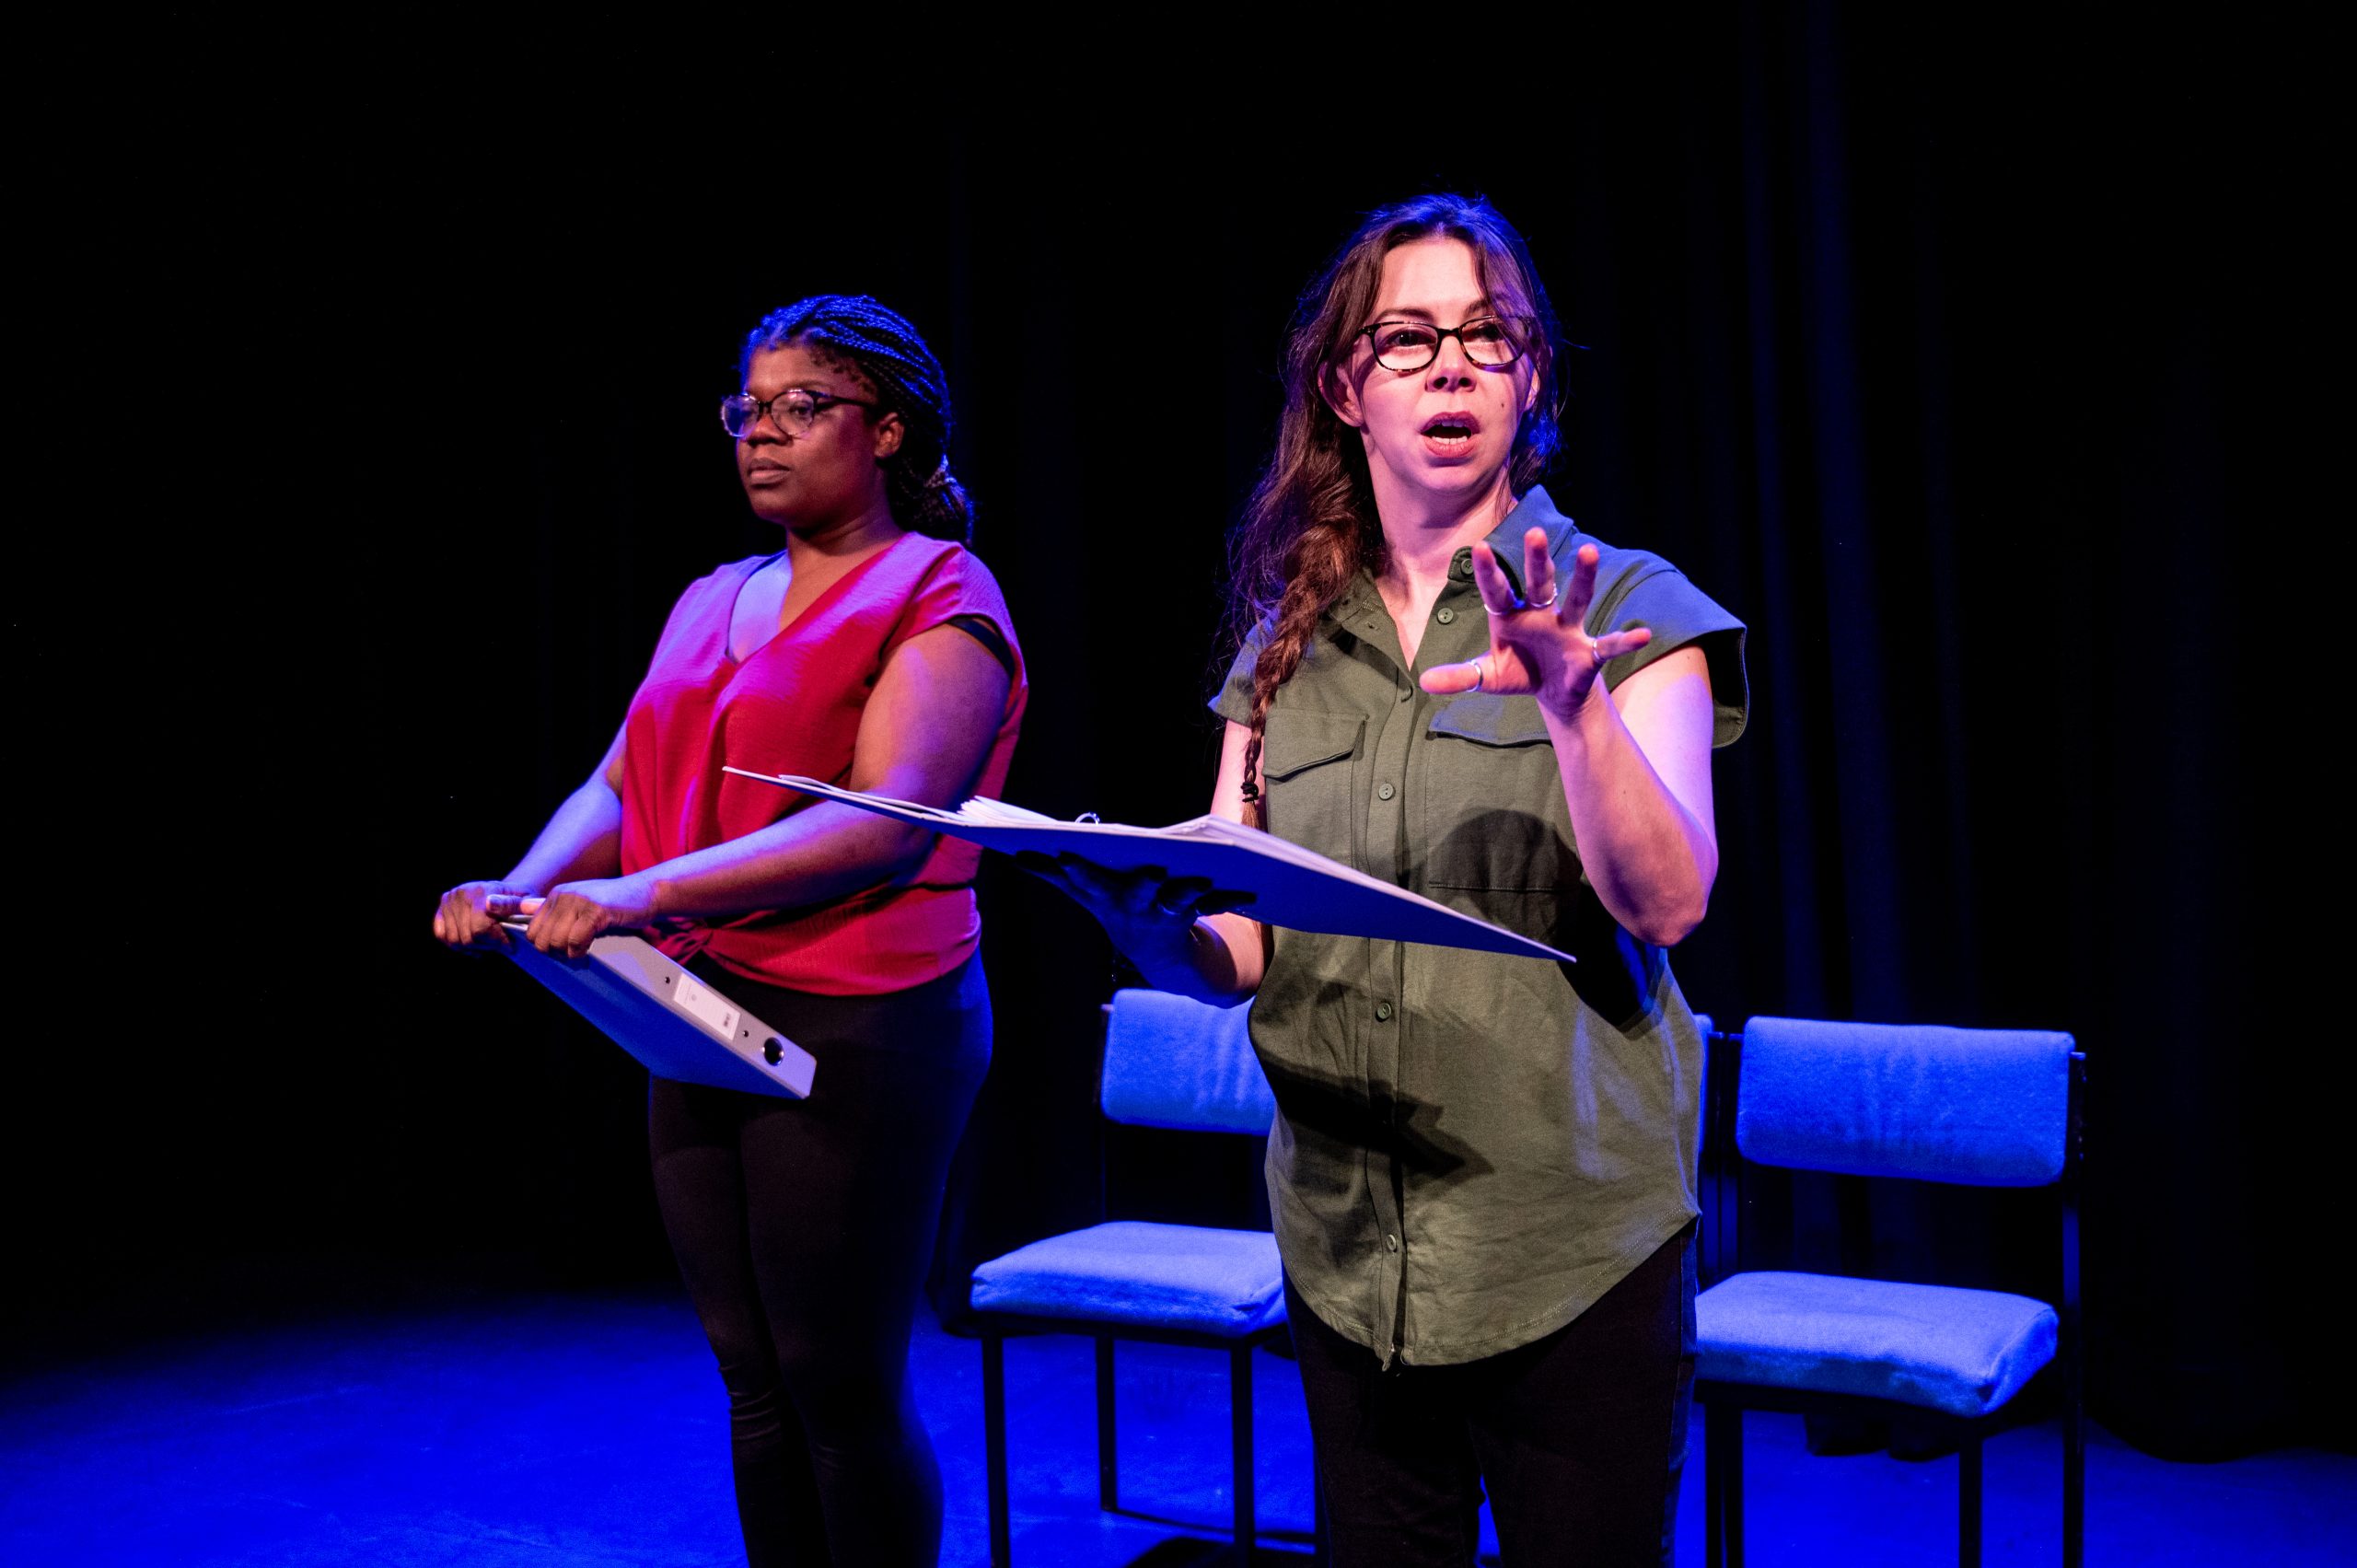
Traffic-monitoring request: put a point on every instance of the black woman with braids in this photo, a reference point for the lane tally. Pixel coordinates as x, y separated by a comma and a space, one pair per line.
1481, 1169
874, 649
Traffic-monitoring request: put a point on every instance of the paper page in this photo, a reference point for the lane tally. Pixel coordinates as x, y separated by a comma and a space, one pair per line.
1290, 886
981, 811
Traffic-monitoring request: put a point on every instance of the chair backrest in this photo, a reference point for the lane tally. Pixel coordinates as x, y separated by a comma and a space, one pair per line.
1986, 1107
1173, 1061
1702, 1130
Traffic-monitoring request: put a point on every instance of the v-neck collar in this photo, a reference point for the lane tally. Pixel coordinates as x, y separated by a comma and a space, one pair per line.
827, 595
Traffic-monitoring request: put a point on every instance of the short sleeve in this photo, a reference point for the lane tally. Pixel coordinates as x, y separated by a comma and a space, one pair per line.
1233, 700
955, 587
709, 599
1647, 591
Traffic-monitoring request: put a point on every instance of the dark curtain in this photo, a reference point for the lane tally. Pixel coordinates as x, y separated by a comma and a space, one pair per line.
1965, 367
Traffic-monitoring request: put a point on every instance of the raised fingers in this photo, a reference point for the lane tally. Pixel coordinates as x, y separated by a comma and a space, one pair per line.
1571, 604
1497, 594
1538, 570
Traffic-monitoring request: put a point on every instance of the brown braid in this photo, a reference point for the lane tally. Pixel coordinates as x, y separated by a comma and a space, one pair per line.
1311, 527
1317, 570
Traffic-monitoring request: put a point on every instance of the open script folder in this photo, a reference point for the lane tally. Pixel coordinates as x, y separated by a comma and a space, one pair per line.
1291, 886
680, 1027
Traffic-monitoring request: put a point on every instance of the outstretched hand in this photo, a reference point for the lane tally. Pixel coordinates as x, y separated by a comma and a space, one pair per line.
1539, 644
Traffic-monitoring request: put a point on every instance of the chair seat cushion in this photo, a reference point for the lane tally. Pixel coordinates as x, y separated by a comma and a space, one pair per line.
1961, 1352
1183, 1277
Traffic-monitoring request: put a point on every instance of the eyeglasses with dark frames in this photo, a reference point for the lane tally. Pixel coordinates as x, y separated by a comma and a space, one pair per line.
792, 410
1488, 341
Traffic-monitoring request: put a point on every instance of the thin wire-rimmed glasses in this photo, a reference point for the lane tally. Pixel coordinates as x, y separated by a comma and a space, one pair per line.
791, 411
1488, 341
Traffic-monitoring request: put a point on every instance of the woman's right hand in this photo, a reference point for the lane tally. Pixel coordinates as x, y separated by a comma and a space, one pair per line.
471, 912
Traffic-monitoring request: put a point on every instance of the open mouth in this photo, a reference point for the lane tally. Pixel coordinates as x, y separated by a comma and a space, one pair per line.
1451, 429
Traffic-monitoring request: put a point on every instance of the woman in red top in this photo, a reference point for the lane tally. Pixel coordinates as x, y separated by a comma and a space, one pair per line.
876, 651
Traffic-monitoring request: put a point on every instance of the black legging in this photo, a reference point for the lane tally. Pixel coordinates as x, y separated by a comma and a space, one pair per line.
804, 1229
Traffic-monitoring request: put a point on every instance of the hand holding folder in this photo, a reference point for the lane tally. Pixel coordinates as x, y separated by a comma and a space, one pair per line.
1288, 886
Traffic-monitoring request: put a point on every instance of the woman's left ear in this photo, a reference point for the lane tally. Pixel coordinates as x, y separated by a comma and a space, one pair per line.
890, 431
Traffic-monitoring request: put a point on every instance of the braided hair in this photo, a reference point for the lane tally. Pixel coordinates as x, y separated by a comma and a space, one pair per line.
881, 348
1311, 527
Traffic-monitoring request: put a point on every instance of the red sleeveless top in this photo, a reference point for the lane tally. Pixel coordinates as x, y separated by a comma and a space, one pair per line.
794, 707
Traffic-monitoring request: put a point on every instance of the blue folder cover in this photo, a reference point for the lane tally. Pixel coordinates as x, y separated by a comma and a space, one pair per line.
678, 1026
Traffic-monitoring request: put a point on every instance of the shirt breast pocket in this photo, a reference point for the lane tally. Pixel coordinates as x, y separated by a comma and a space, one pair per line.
1494, 820
1307, 762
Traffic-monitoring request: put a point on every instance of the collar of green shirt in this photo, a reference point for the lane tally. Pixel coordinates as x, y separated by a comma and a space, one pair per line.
1534, 508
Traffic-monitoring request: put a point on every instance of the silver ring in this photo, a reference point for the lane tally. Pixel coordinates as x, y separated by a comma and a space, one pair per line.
1547, 603
1476, 662
1596, 650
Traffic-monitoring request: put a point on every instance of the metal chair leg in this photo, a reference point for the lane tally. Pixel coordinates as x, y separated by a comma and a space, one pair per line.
1321, 1550
2074, 1493
1714, 1546
995, 1446
2074, 1482
1240, 1415
1734, 1498
1109, 1479
1968, 1503
1722, 1484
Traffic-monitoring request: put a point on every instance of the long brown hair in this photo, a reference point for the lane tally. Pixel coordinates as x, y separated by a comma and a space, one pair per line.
1311, 523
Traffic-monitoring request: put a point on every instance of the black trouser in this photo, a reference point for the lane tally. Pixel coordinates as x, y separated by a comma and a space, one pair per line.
1580, 1436
804, 1229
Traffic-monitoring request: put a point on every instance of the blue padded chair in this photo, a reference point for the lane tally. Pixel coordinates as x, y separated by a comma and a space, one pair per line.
1985, 1107
1175, 1063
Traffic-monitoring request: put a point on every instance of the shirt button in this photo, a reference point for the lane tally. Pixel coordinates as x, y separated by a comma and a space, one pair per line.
1382, 1011
1383, 792
1446, 617
1391, 1242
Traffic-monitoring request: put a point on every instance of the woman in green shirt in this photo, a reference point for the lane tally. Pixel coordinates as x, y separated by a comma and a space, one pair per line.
1482, 1166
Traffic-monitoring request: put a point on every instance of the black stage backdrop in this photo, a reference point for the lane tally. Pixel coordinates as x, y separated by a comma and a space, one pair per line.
1955, 365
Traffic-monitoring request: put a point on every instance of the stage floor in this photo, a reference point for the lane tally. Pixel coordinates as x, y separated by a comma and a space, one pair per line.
534, 1428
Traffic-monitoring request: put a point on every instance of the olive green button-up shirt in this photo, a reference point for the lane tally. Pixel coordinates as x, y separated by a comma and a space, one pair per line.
1469, 1148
